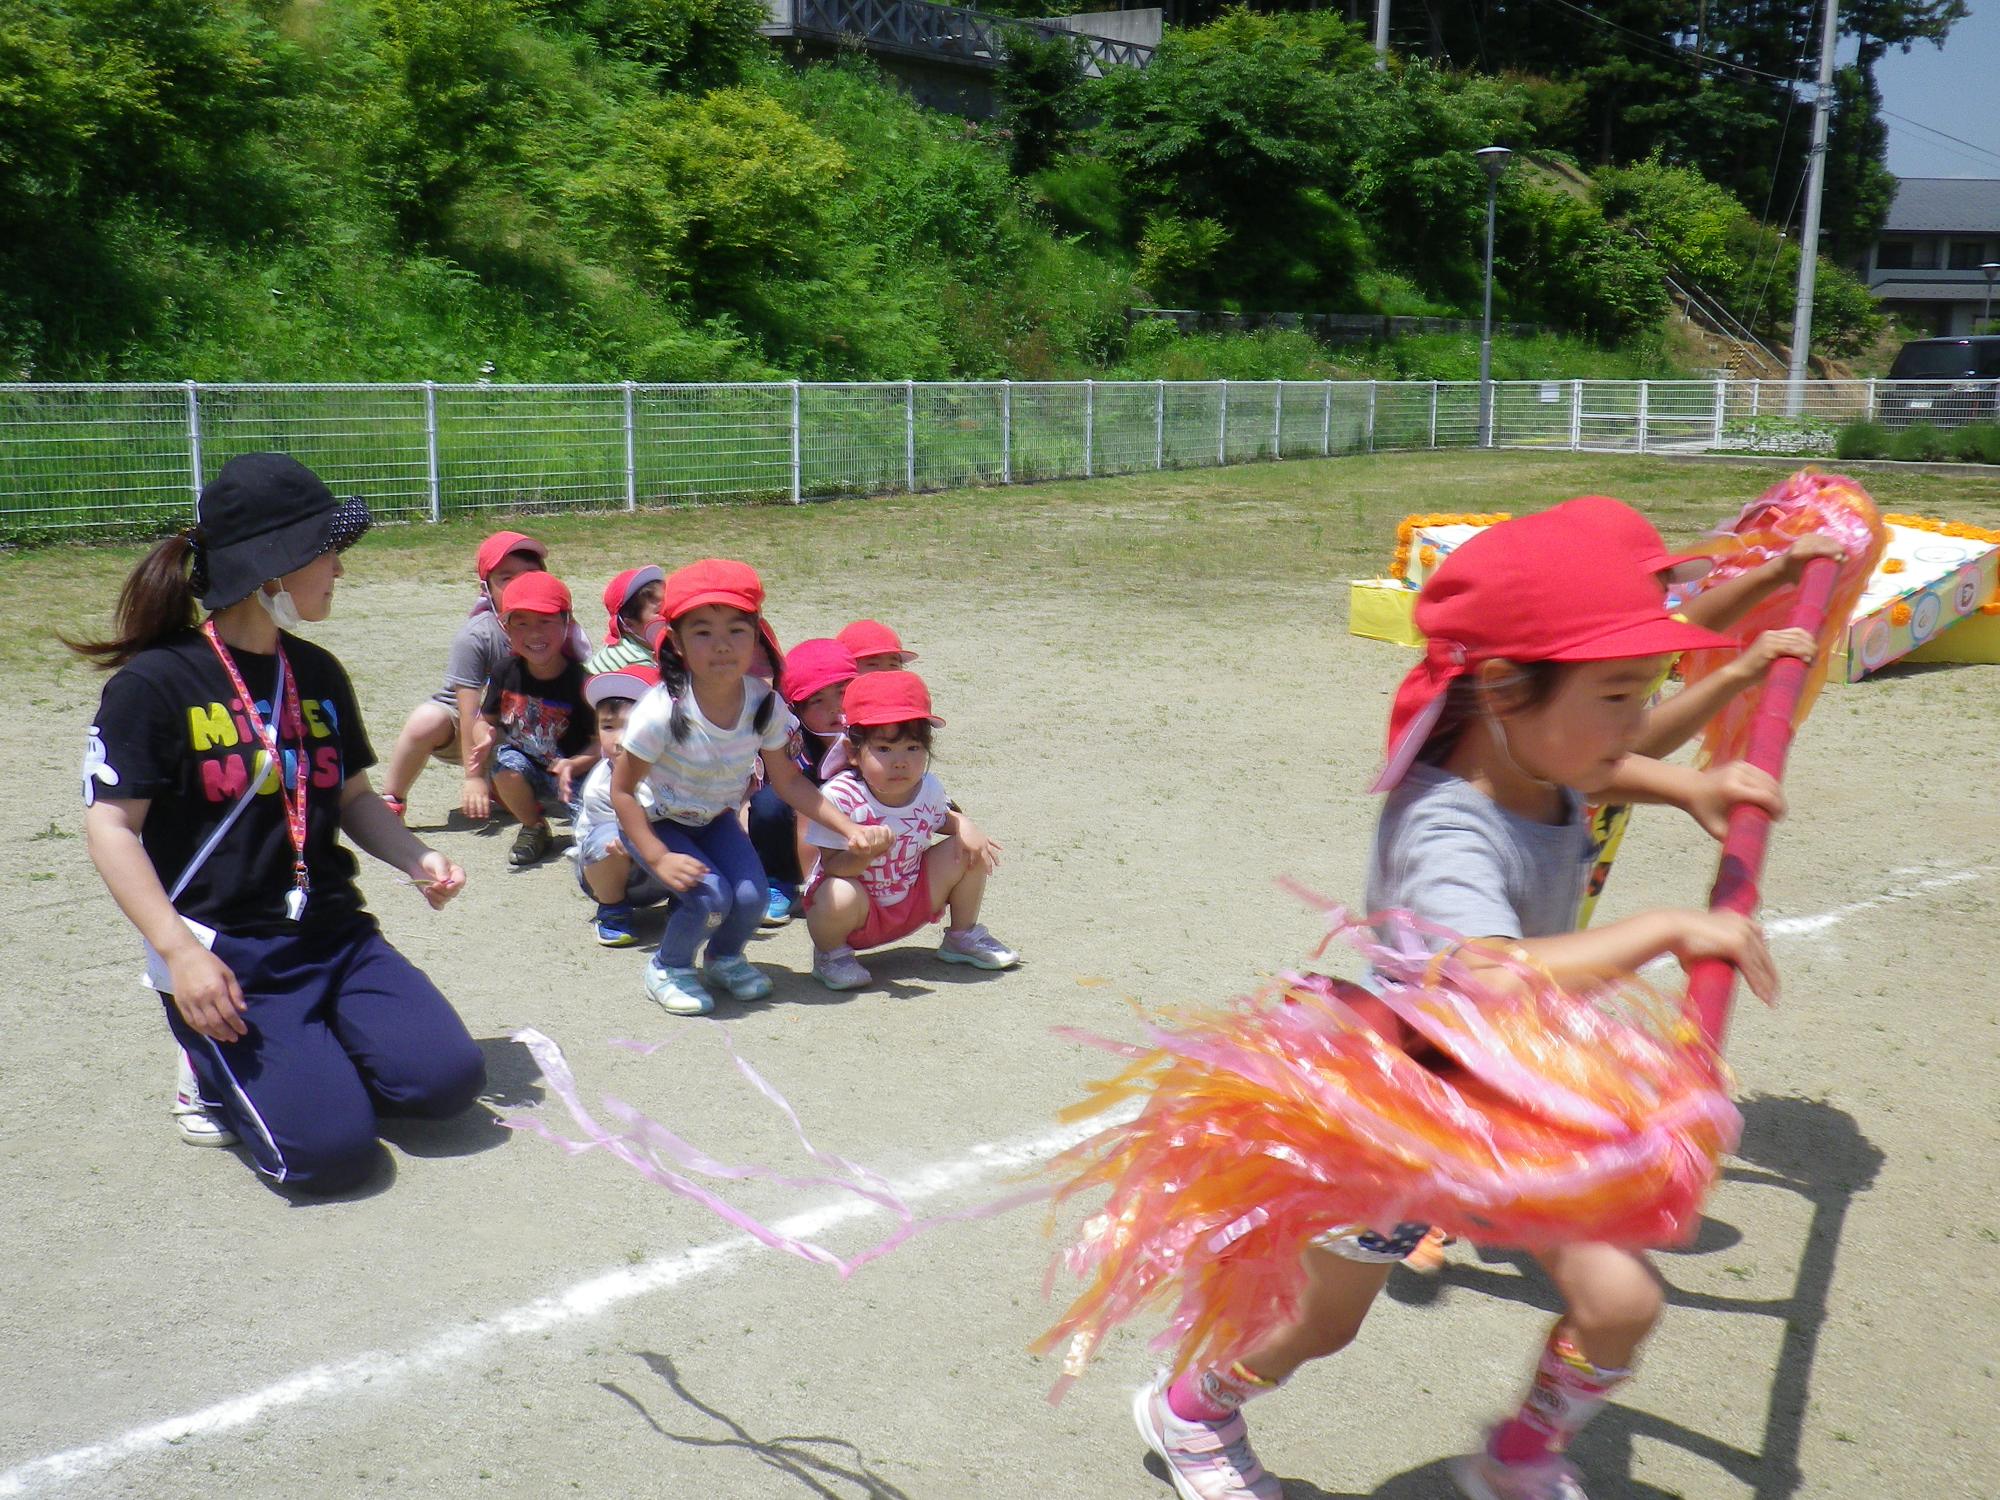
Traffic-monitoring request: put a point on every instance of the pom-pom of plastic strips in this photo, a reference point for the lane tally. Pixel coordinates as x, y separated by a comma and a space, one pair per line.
1807, 503
1537, 1116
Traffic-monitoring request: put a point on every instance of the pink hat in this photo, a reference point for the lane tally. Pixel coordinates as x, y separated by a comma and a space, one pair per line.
816, 664
499, 545
873, 638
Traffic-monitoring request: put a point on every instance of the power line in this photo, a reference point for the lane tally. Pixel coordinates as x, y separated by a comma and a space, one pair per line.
1973, 146
1670, 51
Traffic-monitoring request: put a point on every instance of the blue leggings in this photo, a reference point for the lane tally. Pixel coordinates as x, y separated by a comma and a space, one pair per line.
728, 903
343, 1028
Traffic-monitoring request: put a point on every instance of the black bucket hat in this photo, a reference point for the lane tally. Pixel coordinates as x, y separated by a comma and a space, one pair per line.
265, 515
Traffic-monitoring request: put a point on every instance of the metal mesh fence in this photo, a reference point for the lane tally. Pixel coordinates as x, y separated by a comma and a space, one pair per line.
81, 460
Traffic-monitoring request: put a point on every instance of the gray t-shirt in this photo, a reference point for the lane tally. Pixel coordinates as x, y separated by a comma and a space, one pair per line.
1450, 854
476, 653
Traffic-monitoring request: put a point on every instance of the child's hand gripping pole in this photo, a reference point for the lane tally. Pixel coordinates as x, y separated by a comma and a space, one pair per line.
1711, 981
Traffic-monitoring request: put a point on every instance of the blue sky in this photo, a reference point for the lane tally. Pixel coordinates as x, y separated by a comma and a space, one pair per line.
1950, 90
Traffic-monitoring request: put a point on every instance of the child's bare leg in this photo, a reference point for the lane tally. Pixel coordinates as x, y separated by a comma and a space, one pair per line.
954, 878
517, 796
610, 877
839, 907
429, 729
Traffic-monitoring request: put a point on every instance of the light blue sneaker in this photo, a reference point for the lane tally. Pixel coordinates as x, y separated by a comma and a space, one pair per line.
736, 974
778, 906
677, 990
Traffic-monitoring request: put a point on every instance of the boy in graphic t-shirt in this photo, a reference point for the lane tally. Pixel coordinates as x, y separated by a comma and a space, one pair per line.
538, 734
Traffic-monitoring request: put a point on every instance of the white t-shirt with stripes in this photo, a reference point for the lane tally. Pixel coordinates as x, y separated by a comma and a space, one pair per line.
697, 779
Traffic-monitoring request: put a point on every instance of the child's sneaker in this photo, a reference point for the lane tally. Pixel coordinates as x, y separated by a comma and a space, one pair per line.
778, 905
530, 844
839, 969
1481, 1476
1205, 1460
978, 947
198, 1124
614, 925
736, 974
677, 990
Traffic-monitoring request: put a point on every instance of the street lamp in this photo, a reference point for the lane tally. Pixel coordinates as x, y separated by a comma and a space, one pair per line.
1992, 269
1493, 162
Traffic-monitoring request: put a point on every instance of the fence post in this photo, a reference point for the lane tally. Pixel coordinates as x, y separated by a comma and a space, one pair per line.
431, 486
1871, 398
1371, 416
1645, 400
631, 450
910, 436
1222, 428
1159, 424
1721, 405
1326, 423
1575, 415
1007, 432
1277, 419
798, 468
1756, 391
1089, 424
194, 438
1434, 413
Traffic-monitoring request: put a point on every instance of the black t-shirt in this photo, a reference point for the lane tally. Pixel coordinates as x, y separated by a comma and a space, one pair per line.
169, 731
546, 720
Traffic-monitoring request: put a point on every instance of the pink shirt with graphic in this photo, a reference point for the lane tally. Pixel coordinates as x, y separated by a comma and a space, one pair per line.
915, 826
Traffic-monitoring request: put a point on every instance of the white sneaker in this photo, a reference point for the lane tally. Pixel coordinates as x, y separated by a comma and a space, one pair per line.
1205, 1460
839, 969
198, 1124
678, 990
978, 947
1481, 1476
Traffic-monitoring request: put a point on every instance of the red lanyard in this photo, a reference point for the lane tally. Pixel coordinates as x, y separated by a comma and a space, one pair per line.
293, 719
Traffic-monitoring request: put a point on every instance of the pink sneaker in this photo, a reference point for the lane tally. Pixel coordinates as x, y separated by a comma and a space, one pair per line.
1481, 1476
1205, 1460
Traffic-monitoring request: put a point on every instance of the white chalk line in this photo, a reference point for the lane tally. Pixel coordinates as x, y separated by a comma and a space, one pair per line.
588, 1299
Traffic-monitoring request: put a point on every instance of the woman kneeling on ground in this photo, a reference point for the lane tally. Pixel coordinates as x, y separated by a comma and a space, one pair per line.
227, 758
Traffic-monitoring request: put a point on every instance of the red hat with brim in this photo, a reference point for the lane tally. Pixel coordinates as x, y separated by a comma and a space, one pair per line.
816, 664
877, 698
873, 638
1563, 585
1617, 521
713, 580
621, 682
499, 545
620, 592
536, 594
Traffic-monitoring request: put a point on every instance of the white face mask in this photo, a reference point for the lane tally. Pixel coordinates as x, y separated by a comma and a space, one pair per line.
280, 608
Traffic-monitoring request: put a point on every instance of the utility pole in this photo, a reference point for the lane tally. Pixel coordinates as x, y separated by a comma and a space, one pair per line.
1381, 36
1809, 233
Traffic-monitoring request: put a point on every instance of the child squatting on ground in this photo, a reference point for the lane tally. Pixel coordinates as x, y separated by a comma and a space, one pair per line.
687, 755
537, 732
604, 866
861, 902
816, 673
446, 724
1530, 698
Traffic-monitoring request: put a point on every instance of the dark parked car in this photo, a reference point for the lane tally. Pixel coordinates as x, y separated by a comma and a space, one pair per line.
1945, 382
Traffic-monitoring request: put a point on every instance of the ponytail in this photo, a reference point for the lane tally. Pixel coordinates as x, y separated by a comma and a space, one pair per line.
160, 599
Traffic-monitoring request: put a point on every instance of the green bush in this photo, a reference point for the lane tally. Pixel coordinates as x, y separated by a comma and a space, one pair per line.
1863, 440
1977, 443
1922, 443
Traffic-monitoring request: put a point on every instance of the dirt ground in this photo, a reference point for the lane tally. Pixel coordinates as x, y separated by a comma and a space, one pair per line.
1155, 706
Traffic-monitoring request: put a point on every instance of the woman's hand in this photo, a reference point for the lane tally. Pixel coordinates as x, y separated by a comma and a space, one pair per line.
475, 799
438, 878
207, 994
680, 873
1722, 788
1733, 938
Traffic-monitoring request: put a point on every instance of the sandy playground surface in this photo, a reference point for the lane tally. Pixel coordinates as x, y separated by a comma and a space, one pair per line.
1154, 737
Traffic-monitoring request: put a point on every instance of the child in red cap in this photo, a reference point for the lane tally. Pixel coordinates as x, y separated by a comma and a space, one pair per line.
1530, 696
539, 735
876, 647
631, 605
858, 901
688, 752
444, 725
816, 673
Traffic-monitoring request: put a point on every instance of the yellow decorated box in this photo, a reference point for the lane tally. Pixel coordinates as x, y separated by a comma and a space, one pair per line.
1933, 576
1383, 609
